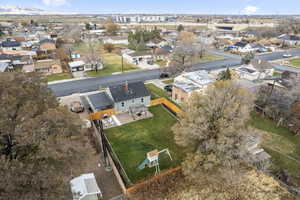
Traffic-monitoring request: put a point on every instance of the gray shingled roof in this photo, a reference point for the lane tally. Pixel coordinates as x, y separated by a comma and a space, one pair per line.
11, 44
100, 101
135, 90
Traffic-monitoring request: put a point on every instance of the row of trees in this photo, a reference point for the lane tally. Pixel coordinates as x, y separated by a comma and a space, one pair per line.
187, 51
42, 145
137, 41
282, 104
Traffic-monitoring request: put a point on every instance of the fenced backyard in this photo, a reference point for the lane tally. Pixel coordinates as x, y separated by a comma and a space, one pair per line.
131, 142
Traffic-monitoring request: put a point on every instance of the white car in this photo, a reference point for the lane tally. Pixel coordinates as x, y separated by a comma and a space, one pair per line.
287, 55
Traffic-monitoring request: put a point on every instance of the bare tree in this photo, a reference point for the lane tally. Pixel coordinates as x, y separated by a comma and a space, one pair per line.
185, 52
93, 57
277, 102
213, 130
71, 31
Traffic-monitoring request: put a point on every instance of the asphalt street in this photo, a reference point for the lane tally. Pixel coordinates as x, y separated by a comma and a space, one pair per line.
93, 84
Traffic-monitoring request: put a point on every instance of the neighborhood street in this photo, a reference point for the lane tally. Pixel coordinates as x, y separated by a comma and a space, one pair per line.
91, 84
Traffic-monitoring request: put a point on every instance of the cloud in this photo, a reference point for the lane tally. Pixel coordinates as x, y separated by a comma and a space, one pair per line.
55, 2
250, 10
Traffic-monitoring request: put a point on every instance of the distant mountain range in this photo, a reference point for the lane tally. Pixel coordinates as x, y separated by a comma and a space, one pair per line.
16, 10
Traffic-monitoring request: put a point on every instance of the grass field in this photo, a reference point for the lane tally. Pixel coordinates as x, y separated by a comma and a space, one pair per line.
208, 57
57, 77
295, 62
112, 64
132, 141
161, 63
112, 61
281, 144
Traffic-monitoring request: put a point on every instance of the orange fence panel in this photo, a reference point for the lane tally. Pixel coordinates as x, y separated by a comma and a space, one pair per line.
166, 102
98, 115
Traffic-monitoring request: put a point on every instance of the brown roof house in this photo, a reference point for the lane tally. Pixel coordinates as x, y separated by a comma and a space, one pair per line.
47, 45
161, 54
49, 66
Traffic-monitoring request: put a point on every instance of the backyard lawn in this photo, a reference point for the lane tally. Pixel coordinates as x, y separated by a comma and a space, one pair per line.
281, 144
132, 141
295, 62
57, 77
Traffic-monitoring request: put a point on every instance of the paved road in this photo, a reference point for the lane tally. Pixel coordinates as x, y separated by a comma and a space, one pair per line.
93, 84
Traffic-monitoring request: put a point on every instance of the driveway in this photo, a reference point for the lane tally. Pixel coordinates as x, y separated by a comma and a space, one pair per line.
78, 74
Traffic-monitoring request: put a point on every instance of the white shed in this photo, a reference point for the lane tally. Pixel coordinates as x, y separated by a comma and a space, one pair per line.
85, 187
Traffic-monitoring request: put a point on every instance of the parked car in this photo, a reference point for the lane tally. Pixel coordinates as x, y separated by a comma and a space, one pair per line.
287, 55
164, 75
150, 62
168, 88
76, 107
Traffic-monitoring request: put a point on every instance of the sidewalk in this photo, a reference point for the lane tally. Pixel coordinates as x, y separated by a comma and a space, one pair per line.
158, 83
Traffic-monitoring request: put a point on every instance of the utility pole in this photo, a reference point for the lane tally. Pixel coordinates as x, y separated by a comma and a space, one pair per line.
122, 64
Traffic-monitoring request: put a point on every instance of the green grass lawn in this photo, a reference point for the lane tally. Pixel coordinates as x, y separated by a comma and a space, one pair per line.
279, 139
208, 57
156, 92
161, 63
168, 81
112, 61
57, 77
295, 62
132, 141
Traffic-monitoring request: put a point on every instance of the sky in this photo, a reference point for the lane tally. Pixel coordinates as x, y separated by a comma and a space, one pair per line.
164, 6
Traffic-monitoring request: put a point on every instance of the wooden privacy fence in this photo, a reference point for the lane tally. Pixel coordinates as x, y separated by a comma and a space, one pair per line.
166, 103
99, 115
136, 186
175, 109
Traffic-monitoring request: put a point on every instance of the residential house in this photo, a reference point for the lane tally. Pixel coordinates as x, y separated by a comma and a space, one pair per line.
244, 47
185, 84
257, 69
85, 187
116, 40
97, 101
129, 95
48, 66
139, 56
161, 54
80, 65
289, 40
4, 67
28, 68
47, 45
156, 43
11, 45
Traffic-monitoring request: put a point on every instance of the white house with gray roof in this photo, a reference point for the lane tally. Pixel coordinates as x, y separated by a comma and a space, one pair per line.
129, 95
187, 83
122, 97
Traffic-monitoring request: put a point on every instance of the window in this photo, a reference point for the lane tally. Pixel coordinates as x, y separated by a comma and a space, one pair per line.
176, 96
142, 100
123, 104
